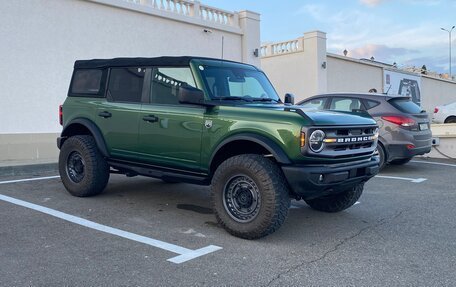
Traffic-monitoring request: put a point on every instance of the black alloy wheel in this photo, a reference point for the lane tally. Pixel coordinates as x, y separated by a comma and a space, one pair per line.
241, 198
75, 167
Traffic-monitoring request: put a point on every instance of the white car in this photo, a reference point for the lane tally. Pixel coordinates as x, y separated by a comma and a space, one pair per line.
445, 114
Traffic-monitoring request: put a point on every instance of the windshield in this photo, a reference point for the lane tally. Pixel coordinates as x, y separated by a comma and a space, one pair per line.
235, 83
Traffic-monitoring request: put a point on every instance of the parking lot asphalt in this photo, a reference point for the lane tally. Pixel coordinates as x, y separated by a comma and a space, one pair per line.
402, 232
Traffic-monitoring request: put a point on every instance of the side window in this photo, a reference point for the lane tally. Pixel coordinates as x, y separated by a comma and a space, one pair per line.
166, 83
126, 84
86, 82
371, 104
346, 104
318, 104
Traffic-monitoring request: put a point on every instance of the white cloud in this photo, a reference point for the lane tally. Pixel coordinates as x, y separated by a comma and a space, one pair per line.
371, 3
366, 34
378, 51
313, 10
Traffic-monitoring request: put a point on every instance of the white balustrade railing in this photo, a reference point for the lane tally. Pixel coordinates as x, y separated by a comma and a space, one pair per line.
218, 16
273, 49
192, 9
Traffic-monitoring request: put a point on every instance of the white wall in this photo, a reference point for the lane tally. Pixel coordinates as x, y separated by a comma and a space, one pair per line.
289, 79
42, 39
295, 66
349, 75
436, 92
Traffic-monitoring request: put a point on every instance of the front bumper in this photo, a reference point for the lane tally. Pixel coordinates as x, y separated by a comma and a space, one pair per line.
312, 181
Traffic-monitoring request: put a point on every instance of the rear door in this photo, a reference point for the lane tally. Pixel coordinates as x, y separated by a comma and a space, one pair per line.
118, 116
170, 132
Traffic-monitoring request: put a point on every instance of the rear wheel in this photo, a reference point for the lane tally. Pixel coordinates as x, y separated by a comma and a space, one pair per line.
450, 120
337, 202
400, 161
82, 168
250, 196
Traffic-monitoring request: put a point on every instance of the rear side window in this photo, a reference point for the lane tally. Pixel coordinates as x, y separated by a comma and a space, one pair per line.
126, 84
318, 104
86, 82
346, 104
371, 104
405, 105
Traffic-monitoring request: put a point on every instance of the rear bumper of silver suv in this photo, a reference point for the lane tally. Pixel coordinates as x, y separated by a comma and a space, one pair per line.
407, 144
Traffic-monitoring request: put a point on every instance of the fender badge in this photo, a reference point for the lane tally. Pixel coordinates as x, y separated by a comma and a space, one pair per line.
208, 124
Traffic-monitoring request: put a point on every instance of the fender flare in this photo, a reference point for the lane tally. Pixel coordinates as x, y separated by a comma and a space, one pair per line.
265, 142
94, 130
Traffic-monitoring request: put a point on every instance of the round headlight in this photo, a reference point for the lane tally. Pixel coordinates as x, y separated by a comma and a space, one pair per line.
316, 141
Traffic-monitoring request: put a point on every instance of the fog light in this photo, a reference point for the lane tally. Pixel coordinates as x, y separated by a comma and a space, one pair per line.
410, 146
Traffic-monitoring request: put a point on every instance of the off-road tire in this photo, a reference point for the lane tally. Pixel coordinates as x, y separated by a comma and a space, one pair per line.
272, 192
337, 202
400, 161
94, 174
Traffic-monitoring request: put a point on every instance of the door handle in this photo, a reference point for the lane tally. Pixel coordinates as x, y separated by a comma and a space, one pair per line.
150, 119
105, 114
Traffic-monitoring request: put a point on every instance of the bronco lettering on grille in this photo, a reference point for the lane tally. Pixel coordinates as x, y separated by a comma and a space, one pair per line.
354, 139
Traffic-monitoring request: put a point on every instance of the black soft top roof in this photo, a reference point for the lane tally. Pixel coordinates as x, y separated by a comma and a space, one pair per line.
126, 62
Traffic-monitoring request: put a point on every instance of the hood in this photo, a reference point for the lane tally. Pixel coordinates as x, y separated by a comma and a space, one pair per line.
331, 118
324, 117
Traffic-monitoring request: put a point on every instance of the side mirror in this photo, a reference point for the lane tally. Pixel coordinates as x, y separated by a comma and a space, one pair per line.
289, 99
190, 95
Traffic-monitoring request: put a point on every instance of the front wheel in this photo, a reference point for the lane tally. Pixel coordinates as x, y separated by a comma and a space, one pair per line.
250, 196
337, 202
382, 156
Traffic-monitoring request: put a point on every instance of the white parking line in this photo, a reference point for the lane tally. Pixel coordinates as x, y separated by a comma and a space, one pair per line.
29, 179
414, 180
435, 163
185, 254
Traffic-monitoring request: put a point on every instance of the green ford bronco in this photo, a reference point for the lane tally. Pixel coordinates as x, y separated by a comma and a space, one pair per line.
212, 122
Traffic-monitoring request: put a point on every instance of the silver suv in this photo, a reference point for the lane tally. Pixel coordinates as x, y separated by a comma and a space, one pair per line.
404, 126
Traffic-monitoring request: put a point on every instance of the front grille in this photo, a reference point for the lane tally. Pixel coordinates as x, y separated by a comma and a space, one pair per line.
346, 141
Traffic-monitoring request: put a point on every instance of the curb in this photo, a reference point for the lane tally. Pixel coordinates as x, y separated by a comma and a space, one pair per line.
28, 169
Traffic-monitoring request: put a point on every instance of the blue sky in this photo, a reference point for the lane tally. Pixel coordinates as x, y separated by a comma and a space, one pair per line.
403, 31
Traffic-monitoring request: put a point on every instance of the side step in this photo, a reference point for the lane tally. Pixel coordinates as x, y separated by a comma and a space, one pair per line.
132, 169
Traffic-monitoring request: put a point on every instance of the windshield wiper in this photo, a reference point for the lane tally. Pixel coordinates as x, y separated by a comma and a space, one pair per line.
266, 100
233, 99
